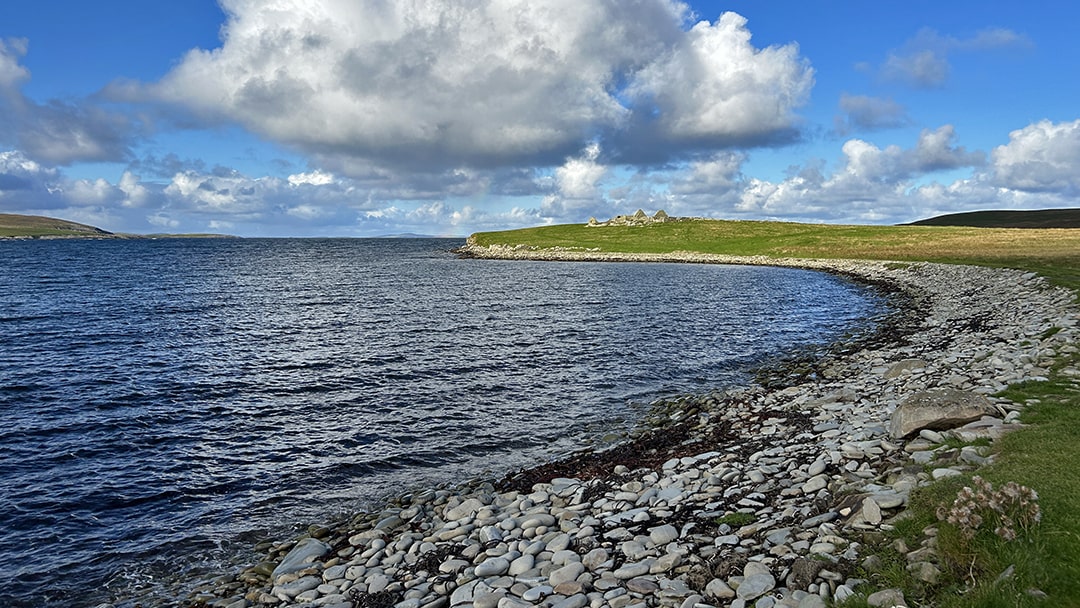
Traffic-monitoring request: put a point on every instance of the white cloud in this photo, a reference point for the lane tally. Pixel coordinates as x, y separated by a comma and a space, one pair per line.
714, 84
441, 83
579, 177
923, 61
925, 68
16, 168
162, 220
314, 178
577, 187
306, 212
1042, 157
712, 177
934, 151
865, 113
12, 75
58, 132
135, 194
871, 184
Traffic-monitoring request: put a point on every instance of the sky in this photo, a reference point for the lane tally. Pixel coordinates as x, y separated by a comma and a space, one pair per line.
359, 118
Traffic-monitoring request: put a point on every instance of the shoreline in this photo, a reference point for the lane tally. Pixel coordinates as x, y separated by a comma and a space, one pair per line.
731, 497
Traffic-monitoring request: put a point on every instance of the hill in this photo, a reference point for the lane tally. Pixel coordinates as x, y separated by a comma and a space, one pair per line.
1047, 218
13, 226
36, 226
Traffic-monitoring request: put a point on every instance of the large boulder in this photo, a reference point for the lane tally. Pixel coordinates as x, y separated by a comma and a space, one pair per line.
302, 555
937, 409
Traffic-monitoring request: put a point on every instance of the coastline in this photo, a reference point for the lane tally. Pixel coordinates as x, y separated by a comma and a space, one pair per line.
734, 496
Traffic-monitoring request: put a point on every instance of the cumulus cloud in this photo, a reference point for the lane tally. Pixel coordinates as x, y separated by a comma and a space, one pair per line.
56, 132
871, 183
864, 113
923, 61
578, 177
19, 173
486, 83
1042, 157
713, 86
577, 188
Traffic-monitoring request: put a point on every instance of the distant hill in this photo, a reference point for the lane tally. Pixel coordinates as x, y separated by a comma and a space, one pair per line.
36, 226
13, 226
1047, 218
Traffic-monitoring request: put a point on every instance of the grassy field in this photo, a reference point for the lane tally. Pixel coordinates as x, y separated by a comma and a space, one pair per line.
1054, 253
1045, 561
12, 225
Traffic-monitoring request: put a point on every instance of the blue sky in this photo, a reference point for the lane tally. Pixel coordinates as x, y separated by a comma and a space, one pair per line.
330, 118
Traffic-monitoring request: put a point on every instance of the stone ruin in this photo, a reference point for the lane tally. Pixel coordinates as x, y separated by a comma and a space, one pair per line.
638, 219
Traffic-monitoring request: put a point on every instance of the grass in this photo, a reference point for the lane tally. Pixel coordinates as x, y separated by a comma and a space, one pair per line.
12, 225
1054, 253
1045, 456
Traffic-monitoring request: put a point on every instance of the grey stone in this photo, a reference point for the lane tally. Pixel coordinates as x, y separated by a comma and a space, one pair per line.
575, 601
595, 558
815, 483
493, 567
871, 511
943, 473
521, 565
567, 573
488, 600
633, 550
643, 586
887, 598
936, 409
301, 556
719, 589
662, 535
295, 588
465, 509
628, 571
906, 365
754, 586
463, 594
925, 572
559, 543
537, 593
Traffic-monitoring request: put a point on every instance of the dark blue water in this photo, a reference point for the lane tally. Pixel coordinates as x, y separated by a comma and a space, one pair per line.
167, 403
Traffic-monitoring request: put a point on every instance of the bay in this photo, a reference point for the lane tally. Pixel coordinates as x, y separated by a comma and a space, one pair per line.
168, 403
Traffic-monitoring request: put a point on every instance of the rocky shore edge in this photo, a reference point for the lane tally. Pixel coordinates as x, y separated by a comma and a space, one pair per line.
767, 495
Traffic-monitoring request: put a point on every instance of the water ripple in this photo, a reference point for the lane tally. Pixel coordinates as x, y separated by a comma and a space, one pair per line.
168, 403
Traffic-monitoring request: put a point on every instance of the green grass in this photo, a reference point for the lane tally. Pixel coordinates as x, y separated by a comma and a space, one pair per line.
1054, 253
736, 519
1044, 456
13, 225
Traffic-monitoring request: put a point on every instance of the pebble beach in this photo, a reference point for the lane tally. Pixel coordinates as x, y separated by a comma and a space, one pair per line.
763, 495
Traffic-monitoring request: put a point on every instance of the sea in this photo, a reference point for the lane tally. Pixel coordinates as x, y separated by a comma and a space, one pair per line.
167, 404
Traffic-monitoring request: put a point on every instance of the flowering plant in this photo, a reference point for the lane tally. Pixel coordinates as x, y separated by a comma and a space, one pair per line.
1010, 507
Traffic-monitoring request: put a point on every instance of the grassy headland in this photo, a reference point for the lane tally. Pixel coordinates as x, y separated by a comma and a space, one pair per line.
1055, 253
1039, 569
36, 226
14, 226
